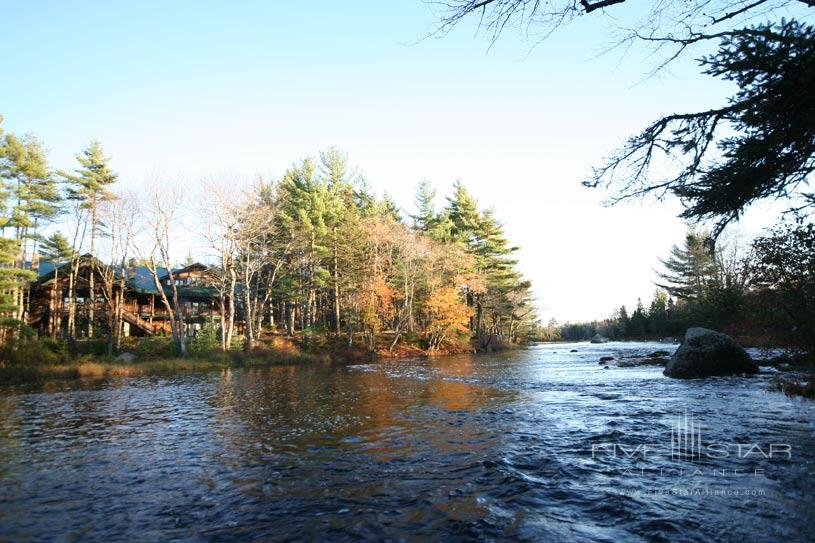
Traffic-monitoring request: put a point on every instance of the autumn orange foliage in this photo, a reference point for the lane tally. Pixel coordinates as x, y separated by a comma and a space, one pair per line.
447, 314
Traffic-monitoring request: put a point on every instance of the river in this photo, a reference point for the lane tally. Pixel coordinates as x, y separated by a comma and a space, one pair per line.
540, 444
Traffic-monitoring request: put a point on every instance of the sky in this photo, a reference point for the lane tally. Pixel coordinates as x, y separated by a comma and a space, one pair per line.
226, 91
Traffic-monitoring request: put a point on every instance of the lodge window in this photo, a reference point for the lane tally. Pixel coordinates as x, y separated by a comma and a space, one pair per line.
180, 282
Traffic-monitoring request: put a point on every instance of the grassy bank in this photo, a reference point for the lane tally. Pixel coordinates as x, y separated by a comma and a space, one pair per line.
44, 360
92, 368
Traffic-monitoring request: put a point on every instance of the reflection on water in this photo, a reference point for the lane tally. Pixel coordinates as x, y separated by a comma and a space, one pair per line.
464, 447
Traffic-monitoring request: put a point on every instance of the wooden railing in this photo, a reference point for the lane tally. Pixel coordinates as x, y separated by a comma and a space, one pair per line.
136, 320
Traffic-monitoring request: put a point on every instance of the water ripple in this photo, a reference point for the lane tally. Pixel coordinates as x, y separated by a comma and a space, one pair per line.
531, 445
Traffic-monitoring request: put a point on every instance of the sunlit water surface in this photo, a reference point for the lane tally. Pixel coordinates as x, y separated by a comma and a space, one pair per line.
539, 444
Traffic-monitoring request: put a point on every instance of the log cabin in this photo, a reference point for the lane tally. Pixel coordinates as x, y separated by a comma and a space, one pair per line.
143, 312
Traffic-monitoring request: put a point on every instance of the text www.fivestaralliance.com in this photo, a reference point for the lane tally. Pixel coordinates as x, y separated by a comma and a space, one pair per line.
700, 491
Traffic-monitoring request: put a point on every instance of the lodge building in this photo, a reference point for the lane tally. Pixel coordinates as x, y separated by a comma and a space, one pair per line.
143, 311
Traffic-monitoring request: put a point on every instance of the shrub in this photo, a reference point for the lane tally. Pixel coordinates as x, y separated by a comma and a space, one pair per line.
33, 353
91, 346
206, 341
59, 347
238, 341
130, 343
156, 347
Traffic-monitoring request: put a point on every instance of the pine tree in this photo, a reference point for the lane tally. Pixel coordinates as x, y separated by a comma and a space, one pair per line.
464, 215
690, 268
57, 250
31, 186
425, 218
623, 321
364, 198
658, 312
638, 322
90, 184
32, 200
505, 297
386, 207
307, 206
341, 215
757, 145
12, 278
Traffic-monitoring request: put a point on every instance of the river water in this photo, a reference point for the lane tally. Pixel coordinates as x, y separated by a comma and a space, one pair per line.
541, 444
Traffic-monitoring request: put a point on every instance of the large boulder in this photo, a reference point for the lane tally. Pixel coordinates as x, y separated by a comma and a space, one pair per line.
705, 353
126, 357
599, 339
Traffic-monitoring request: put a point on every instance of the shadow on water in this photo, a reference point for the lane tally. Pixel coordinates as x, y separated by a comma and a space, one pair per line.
535, 444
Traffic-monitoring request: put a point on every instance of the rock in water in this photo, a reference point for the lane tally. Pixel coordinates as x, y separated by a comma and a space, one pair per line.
705, 353
126, 357
648, 361
599, 339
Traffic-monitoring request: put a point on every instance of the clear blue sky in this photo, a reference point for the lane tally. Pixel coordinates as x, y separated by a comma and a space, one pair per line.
209, 90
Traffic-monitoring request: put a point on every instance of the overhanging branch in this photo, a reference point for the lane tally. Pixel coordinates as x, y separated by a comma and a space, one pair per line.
589, 7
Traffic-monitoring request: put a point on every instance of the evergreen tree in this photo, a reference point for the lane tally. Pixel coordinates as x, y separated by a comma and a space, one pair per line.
504, 297
658, 312
386, 207
340, 220
623, 321
334, 169
12, 280
364, 198
638, 322
307, 207
425, 218
758, 145
31, 198
782, 264
90, 185
59, 251
56, 249
31, 187
690, 268
464, 215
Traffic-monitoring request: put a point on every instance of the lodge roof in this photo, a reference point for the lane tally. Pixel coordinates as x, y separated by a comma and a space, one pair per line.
138, 278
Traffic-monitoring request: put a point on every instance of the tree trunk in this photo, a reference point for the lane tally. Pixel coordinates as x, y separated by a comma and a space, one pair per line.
290, 320
249, 317
222, 318
53, 309
72, 298
336, 292
120, 315
92, 294
230, 323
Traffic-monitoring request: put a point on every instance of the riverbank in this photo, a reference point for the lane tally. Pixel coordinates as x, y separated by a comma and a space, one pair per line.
92, 367
267, 452
44, 360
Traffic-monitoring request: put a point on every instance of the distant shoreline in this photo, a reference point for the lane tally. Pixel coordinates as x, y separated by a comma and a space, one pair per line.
280, 352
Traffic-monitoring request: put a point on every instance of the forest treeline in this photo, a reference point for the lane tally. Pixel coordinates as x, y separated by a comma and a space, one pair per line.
763, 293
315, 252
